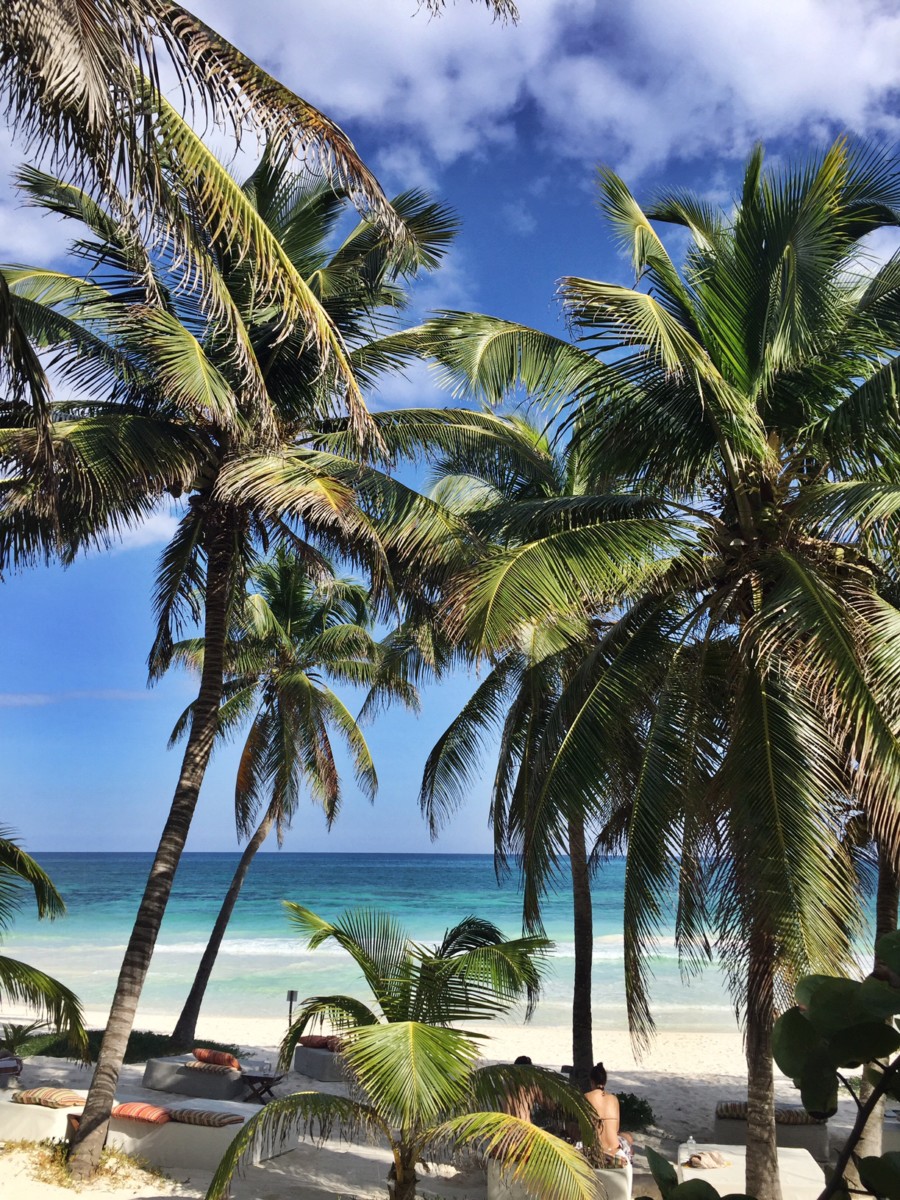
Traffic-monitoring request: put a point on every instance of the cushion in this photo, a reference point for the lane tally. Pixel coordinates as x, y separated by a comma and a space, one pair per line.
202, 1116
314, 1041
49, 1097
218, 1058
136, 1110
210, 1068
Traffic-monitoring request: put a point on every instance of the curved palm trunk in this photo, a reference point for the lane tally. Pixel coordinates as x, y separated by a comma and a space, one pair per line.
887, 902
185, 1030
762, 1153
88, 1142
583, 924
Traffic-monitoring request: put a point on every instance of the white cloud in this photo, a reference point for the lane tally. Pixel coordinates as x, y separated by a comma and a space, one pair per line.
519, 217
637, 83
40, 699
153, 531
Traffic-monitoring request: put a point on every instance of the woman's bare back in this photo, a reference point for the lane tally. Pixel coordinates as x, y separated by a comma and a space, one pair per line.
606, 1107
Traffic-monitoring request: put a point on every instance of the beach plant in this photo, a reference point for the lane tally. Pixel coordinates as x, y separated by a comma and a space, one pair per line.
19, 983
413, 1070
171, 411
743, 407
293, 637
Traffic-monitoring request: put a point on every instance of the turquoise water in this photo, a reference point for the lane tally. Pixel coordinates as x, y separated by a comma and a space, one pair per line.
261, 957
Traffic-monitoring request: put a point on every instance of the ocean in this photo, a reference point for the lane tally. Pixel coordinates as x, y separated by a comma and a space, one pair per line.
262, 958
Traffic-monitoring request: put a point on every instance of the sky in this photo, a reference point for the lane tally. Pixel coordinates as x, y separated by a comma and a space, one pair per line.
507, 124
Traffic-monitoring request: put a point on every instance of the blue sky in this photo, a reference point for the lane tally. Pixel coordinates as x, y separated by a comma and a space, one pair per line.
507, 124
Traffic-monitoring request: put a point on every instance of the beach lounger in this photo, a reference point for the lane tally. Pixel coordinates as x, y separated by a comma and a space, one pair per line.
170, 1145
616, 1183
10, 1068
794, 1127
174, 1075
801, 1176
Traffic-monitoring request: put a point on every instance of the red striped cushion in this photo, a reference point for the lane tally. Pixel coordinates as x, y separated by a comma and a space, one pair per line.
218, 1058
202, 1116
137, 1111
49, 1097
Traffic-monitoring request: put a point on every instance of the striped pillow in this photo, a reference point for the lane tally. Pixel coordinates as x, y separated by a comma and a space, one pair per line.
135, 1110
203, 1116
209, 1068
218, 1058
49, 1097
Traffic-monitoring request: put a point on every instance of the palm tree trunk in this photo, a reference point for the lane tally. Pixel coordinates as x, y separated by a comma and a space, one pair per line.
762, 1152
887, 901
185, 1030
583, 924
402, 1182
88, 1142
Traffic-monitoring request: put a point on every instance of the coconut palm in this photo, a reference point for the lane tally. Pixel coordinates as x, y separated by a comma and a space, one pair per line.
748, 403
419, 1088
19, 983
498, 487
294, 636
180, 415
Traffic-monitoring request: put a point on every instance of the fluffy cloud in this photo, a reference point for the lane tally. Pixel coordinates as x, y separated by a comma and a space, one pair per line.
639, 84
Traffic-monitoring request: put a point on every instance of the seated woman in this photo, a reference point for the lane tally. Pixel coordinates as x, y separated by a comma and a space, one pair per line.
613, 1142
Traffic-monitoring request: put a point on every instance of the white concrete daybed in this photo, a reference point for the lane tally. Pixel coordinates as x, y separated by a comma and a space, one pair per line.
325, 1065
169, 1145
615, 1182
794, 1128
801, 1176
172, 1074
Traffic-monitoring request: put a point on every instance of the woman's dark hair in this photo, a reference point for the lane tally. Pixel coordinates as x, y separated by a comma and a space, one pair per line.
598, 1075
522, 1061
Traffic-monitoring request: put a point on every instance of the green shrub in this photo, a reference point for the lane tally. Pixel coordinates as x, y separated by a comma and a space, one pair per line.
142, 1044
634, 1111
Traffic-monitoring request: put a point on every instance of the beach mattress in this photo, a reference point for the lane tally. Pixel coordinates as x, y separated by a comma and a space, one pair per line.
325, 1065
168, 1145
794, 1128
173, 1075
616, 1183
801, 1176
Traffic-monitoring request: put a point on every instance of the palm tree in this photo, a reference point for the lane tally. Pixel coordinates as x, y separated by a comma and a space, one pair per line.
225, 409
22, 984
500, 486
419, 1087
747, 406
294, 636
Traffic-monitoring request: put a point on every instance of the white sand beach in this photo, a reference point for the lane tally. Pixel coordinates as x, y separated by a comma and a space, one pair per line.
682, 1075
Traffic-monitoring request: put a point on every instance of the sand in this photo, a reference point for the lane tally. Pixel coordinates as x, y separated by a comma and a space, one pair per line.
682, 1075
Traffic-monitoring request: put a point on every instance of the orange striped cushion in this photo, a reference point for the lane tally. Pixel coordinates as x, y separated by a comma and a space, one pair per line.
49, 1097
218, 1058
202, 1116
137, 1111
209, 1068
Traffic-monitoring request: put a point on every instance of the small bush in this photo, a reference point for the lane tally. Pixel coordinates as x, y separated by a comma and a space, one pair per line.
142, 1045
48, 1161
634, 1111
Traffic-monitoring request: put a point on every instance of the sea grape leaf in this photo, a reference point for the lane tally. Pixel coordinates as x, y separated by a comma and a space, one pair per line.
878, 1000
807, 986
881, 1175
694, 1189
663, 1173
862, 1043
819, 1086
887, 948
794, 1040
833, 1005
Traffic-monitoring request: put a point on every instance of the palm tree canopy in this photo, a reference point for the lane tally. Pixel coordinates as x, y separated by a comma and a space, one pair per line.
742, 409
20, 983
419, 1085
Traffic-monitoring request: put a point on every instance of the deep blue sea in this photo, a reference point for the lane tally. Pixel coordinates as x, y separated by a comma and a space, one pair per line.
262, 958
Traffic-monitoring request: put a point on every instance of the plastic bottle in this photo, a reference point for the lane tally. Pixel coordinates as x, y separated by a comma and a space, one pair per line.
690, 1146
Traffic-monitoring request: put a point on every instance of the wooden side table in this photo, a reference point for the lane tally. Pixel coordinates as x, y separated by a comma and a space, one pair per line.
260, 1086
